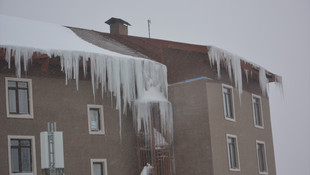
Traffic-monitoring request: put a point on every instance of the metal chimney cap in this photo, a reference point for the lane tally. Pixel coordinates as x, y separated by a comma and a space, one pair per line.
116, 20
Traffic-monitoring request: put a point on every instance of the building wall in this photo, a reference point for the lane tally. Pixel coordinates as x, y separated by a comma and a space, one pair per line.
53, 101
192, 146
243, 128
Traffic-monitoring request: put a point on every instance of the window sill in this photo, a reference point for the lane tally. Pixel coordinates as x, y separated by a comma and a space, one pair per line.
259, 127
230, 119
96, 132
237, 169
20, 116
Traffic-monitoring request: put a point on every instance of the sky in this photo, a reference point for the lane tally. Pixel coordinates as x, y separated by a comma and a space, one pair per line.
274, 34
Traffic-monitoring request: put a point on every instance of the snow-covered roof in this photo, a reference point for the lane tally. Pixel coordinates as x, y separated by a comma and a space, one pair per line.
45, 37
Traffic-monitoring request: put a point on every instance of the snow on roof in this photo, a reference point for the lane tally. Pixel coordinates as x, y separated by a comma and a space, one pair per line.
45, 37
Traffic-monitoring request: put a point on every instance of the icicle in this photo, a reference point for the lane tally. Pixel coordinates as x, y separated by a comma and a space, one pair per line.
263, 81
17, 62
279, 85
85, 65
231, 62
126, 79
215, 55
237, 74
8, 56
246, 75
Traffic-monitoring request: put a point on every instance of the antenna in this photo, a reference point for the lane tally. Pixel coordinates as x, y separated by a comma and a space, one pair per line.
149, 27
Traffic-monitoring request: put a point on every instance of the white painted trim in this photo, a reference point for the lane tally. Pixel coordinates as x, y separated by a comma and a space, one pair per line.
261, 142
261, 111
33, 153
102, 128
104, 163
232, 101
23, 116
228, 156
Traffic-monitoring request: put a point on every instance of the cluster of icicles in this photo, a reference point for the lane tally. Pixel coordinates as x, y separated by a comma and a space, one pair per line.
127, 78
233, 66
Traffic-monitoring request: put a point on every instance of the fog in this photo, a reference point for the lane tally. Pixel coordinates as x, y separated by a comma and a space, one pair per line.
274, 34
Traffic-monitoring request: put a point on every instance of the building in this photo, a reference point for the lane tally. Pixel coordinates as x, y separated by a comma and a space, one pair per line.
221, 119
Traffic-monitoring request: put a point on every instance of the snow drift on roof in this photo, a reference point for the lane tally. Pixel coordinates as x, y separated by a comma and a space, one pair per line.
45, 37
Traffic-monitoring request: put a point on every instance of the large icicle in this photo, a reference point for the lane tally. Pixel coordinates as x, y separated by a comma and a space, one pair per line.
124, 77
232, 61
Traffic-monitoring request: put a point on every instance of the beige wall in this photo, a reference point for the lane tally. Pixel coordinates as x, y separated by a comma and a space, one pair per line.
192, 145
243, 128
54, 101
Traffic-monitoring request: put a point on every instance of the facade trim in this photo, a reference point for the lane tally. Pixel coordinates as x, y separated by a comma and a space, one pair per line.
30, 98
101, 121
104, 164
261, 111
237, 152
232, 102
33, 153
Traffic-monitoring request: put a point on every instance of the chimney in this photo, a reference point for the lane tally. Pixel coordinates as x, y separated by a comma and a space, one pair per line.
118, 26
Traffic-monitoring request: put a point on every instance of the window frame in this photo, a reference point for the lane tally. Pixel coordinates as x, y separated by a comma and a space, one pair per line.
233, 119
30, 98
101, 122
102, 161
261, 111
265, 158
33, 153
237, 152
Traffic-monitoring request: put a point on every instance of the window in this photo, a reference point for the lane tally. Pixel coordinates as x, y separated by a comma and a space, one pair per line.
257, 111
95, 119
22, 155
99, 167
261, 157
19, 98
233, 154
228, 102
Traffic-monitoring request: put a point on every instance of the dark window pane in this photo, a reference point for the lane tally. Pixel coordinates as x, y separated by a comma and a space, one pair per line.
14, 142
98, 169
23, 101
12, 101
261, 158
22, 84
15, 159
94, 119
257, 112
26, 159
233, 159
228, 103
25, 142
11, 84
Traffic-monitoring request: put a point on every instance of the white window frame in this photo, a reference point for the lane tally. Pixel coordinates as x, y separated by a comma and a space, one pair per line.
102, 128
237, 152
104, 163
232, 101
33, 153
30, 98
263, 143
261, 111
